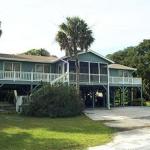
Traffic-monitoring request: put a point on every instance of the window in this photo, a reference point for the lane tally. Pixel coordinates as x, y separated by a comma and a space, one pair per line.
46, 68
120, 73
16, 66
39, 68
8, 66
72, 67
126, 74
94, 68
59, 68
84, 67
12, 66
43, 68
103, 69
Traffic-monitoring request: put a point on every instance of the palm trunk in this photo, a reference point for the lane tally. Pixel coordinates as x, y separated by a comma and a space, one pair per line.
77, 75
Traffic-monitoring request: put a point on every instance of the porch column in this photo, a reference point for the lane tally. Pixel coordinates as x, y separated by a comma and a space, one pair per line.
93, 98
120, 101
63, 68
31, 87
108, 90
141, 96
89, 72
114, 93
131, 96
99, 72
68, 71
123, 96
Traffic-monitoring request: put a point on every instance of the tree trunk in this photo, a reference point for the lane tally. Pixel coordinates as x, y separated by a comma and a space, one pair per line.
77, 75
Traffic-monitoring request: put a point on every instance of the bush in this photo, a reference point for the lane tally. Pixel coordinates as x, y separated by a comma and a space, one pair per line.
54, 101
147, 103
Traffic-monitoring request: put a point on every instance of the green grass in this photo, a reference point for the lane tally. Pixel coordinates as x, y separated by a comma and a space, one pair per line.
29, 133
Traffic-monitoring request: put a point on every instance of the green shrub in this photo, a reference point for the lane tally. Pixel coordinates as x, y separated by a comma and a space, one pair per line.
54, 101
147, 103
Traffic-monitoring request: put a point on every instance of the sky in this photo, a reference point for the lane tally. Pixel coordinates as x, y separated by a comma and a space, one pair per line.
116, 24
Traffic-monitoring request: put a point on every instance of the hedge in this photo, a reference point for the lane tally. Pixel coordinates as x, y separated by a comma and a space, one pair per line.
54, 101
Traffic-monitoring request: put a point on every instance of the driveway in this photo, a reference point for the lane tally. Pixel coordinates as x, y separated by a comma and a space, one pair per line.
136, 122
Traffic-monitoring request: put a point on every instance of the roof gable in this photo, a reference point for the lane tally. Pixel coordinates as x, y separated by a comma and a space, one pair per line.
98, 56
91, 56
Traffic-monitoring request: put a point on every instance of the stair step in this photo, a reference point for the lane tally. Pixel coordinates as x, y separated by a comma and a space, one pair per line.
6, 107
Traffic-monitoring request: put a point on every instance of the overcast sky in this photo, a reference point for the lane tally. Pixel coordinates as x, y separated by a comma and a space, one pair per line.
116, 24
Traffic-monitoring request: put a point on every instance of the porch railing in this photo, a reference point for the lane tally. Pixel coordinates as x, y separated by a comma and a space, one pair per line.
89, 78
54, 77
125, 80
103, 78
29, 76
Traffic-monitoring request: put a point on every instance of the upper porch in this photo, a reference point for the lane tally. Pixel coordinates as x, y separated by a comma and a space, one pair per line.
14, 77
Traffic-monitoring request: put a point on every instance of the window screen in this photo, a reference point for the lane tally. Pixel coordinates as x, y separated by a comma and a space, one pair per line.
103, 69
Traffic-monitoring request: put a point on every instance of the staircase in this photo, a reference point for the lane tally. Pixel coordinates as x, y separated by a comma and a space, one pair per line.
62, 79
5, 107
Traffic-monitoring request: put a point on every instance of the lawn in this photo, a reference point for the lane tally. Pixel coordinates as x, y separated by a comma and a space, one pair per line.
29, 133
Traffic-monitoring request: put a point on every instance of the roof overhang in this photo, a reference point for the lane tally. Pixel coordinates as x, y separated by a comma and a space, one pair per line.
120, 67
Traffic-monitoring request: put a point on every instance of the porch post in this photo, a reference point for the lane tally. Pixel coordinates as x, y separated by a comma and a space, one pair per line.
31, 87
93, 98
141, 96
99, 72
68, 71
123, 95
63, 70
108, 90
114, 93
89, 72
120, 102
131, 95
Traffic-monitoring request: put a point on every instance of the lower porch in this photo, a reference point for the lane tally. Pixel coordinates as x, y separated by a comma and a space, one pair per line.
95, 96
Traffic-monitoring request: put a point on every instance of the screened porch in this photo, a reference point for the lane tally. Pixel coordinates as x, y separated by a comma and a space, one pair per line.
89, 72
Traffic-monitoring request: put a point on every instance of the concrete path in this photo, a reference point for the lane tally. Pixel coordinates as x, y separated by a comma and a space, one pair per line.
137, 119
138, 139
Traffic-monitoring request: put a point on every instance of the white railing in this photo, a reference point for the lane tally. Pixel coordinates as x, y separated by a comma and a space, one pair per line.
30, 76
53, 77
89, 78
125, 80
103, 78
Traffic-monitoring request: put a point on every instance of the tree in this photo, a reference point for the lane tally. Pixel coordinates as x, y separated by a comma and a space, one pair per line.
38, 52
74, 36
0, 29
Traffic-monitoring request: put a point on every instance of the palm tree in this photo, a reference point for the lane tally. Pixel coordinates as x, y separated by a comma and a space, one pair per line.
74, 36
0, 29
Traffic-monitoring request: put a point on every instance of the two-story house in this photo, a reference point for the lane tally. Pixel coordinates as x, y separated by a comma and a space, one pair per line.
100, 78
